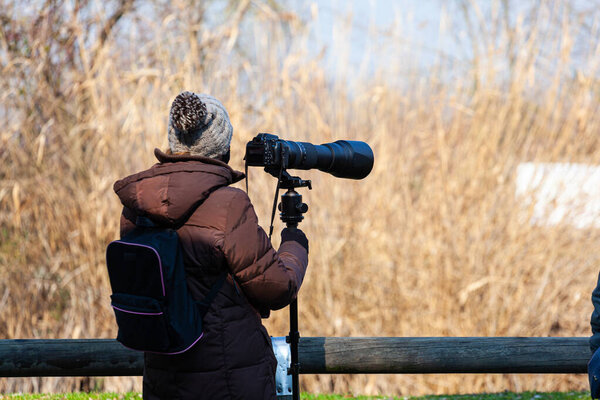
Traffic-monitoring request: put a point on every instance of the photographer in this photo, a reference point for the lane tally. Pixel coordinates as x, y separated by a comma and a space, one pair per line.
189, 190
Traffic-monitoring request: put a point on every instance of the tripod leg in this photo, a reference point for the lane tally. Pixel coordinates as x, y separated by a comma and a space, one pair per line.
294, 338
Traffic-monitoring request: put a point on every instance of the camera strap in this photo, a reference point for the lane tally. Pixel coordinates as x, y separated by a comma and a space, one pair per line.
275, 201
246, 172
276, 194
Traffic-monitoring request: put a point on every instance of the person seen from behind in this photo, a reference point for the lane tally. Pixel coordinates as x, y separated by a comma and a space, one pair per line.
189, 190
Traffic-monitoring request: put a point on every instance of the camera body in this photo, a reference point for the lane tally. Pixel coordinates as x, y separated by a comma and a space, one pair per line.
265, 150
342, 159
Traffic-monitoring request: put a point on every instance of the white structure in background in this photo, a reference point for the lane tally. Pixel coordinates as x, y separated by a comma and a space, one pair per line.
561, 193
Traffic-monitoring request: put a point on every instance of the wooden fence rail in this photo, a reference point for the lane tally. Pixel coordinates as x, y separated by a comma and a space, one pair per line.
414, 355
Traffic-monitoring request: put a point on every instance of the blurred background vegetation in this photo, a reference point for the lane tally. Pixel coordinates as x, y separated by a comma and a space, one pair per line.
433, 243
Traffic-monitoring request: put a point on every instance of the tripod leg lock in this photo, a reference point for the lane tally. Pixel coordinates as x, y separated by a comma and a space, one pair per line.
293, 337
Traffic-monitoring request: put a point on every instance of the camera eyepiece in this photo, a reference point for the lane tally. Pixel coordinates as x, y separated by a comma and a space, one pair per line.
343, 158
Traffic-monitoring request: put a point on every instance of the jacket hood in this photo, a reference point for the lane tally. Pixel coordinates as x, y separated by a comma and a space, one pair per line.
171, 190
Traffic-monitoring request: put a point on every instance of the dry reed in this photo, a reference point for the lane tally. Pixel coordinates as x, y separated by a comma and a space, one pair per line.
432, 243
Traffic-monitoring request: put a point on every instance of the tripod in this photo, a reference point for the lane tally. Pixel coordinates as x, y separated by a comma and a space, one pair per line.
292, 208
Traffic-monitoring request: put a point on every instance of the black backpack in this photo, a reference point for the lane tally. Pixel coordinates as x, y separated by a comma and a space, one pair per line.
153, 307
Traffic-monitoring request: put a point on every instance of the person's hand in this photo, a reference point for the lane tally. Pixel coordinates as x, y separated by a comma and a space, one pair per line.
295, 235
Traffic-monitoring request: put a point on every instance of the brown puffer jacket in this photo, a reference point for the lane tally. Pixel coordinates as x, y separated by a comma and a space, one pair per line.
234, 359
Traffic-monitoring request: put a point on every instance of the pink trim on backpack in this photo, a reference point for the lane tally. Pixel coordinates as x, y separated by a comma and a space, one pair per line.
190, 346
137, 313
168, 354
162, 282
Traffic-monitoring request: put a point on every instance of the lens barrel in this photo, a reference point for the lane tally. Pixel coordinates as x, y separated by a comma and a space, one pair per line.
343, 158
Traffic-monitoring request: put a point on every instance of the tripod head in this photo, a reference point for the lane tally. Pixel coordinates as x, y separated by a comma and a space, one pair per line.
291, 207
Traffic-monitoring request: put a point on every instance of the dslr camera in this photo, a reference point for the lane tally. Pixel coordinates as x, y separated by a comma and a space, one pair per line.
342, 159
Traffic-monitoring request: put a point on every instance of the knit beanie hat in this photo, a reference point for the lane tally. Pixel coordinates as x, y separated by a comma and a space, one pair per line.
199, 125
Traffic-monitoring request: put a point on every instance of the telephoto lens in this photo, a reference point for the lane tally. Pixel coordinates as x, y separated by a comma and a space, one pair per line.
343, 158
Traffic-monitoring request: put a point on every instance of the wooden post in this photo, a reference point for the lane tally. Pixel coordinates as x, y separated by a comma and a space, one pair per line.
430, 355
317, 355
68, 357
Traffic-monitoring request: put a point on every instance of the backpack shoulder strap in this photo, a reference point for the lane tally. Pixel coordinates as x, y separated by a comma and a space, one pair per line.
145, 222
204, 304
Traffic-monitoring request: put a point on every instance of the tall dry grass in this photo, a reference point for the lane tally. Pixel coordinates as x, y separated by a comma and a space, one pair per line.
432, 243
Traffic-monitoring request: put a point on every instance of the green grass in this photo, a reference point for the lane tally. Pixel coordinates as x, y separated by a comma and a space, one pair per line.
516, 396
73, 396
305, 396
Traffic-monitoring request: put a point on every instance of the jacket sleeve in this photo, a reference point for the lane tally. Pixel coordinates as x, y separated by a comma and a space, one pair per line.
268, 278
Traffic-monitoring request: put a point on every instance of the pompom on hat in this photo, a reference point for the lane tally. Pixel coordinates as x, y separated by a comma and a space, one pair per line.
199, 125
